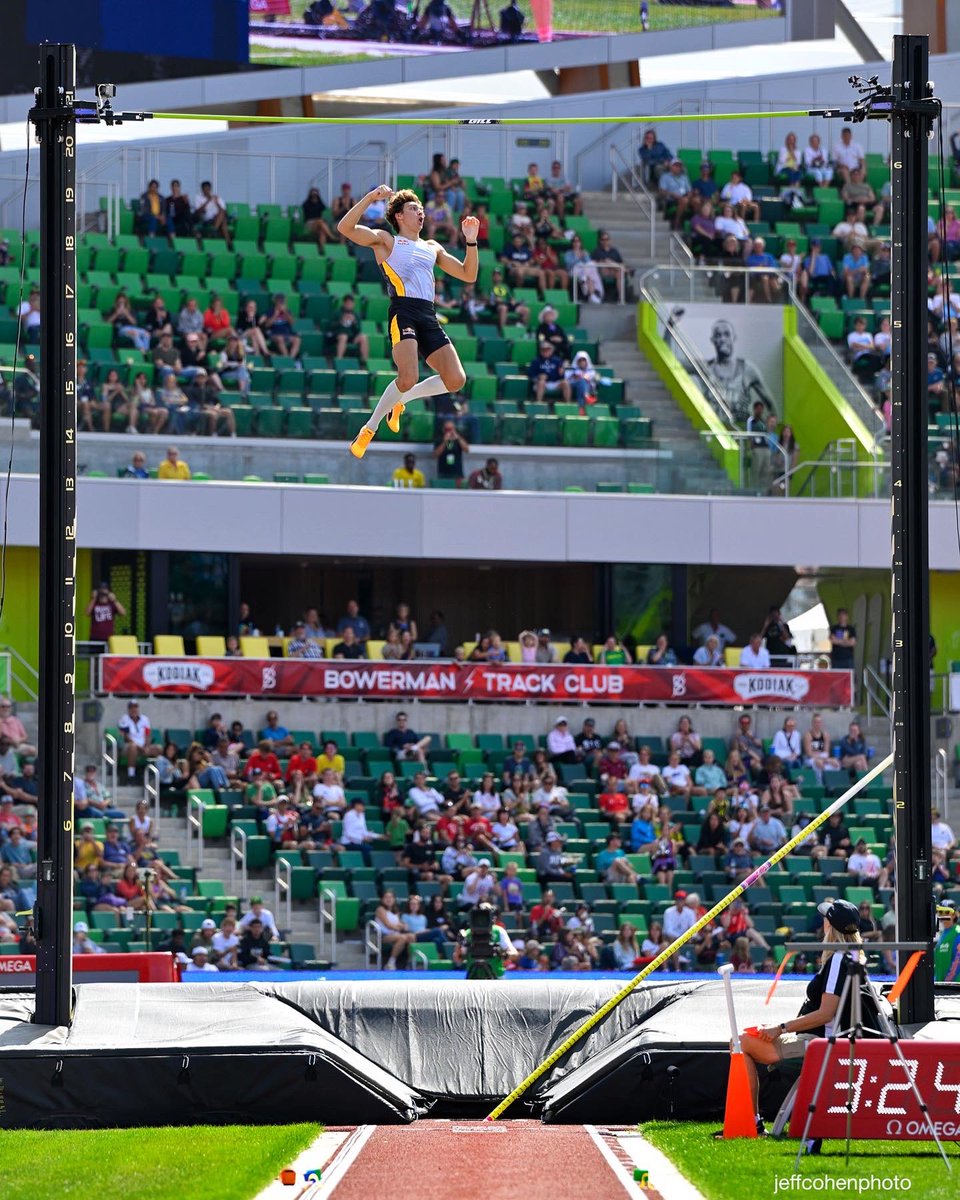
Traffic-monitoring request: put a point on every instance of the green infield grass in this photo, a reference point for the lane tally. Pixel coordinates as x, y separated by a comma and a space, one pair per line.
225, 1162
740, 1168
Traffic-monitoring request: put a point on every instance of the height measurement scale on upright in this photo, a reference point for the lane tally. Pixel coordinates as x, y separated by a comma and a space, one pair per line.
54, 121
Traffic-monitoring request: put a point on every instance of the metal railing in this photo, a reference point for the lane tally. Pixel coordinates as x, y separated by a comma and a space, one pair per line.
940, 783
238, 861
195, 810
419, 959
327, 915
151, 791
624, 175
757, 473
622, 272
283, 888
109, 756
879, 696
373, 946
22, 673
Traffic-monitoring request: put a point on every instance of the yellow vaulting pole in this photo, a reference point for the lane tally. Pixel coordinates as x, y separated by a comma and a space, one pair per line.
672, 949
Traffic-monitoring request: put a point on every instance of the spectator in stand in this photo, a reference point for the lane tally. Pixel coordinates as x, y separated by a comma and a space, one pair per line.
353, 620
248, 327
190, 321
562, 191
864, 866
137, 467
612, 863
584, 380
740, 195
404, 743
517, 258
409, 475
124, 322
710, 777
852, 230
705, 189
486, 478
90, 799
857, 192
583, 269
755, 656
748, 745
449, 452
654, 158
176, 209
729, 223
676, 921
561, 744
521, 223
787, 745
675, 193
613, 653
843, 640
345, 331
312, 210
847, 155
277, 325
438, 221
551, 864
704, 236
232, 364
661, 653
152, 218
137, 737
348, 647
217, 325
646, 771
264, 761
677, 777
765, 287
853, 751
709, 654
102, 608
209, 213
501, 301
579, 652
173, 466
818, 274
817, 747
301, 646
548, 330
790, 168
856, 272
611, 266
546, 375
816, 164
768, 833
686, 741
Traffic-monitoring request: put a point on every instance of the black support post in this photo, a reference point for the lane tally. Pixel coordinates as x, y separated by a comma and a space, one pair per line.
55, 125
910, 584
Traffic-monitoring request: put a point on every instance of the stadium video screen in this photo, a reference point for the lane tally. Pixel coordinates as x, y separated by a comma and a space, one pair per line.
301, 33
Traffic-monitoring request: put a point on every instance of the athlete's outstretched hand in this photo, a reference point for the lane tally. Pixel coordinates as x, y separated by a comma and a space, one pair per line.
470, 227
383, 192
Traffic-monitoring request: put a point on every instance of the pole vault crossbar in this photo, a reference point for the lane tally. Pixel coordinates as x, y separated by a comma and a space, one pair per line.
476, 122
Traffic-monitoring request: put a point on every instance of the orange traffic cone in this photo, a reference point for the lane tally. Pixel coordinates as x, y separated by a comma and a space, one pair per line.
738, 1116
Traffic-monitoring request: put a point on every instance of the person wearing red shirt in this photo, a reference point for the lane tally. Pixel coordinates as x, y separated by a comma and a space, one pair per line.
264, 759
302, 771
612, 767
478, 830
216, 321
615, 805
449, 827
544, 918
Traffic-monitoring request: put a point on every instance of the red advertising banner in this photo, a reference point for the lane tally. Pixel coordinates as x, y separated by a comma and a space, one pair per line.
106, 967
271, 8
882, 1101
427, 680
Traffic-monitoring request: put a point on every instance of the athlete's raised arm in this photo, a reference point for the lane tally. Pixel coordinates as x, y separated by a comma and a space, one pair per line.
466, 270
361, 234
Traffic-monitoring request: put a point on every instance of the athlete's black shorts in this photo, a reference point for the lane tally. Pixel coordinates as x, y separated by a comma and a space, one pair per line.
416, 319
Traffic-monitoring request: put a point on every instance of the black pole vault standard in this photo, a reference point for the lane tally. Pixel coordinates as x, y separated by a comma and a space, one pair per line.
911, 122
54, 120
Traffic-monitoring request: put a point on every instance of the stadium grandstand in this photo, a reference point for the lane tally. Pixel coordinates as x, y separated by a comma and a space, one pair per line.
353, 721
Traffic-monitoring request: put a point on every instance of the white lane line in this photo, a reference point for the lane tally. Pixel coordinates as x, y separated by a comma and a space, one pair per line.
313, 1158
344, 1160
615, 1165
664, 1176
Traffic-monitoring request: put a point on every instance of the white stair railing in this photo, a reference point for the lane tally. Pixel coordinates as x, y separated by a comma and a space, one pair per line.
327, 912
373, 946
283, 888
151, 791
109, 754
238, 861
195, 809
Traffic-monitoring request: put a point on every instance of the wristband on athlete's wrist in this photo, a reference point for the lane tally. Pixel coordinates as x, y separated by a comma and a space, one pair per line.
783, 1027
471, 243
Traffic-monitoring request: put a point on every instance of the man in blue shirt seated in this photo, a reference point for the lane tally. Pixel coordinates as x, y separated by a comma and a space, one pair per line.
278, 735
404, 743
765, 287
546, 374
818, 275
654, 157
856, 272
704, 187
518, 259
676, 193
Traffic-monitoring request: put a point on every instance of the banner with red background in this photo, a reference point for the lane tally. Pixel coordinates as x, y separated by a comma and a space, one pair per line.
427, 680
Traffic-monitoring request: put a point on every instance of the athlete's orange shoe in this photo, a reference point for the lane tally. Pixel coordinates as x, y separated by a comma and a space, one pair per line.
393, 419
358, 447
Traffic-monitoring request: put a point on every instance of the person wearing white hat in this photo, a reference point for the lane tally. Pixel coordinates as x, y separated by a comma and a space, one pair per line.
561, 745
201, 959
479, 886
81, 940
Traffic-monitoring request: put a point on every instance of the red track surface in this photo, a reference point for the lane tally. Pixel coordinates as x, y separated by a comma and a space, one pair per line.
462, 1160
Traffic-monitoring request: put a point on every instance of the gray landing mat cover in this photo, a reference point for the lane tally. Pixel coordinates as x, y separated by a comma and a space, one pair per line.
470, 1040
